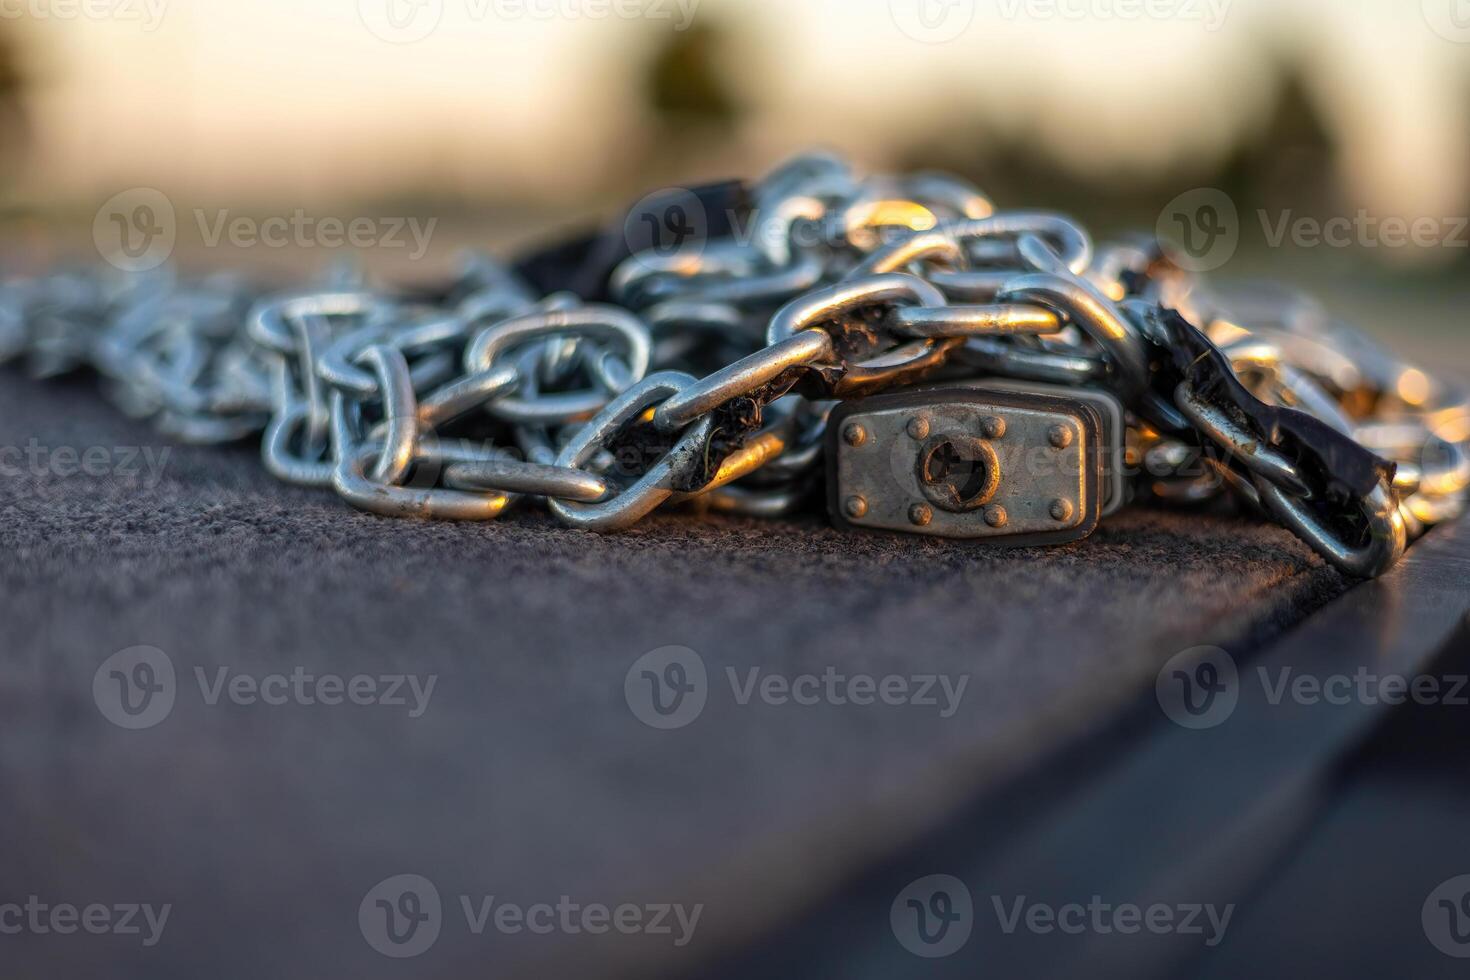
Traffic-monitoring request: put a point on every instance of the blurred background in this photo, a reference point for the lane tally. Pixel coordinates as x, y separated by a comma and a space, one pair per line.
513, 121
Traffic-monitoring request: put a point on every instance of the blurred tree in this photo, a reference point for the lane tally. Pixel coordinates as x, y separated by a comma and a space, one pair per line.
689, 99
13, 81
1291, 160
685, 83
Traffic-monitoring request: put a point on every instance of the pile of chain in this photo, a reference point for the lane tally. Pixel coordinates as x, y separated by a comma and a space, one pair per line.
711, 373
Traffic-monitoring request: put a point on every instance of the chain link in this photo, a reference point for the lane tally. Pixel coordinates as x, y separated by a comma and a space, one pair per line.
458, 405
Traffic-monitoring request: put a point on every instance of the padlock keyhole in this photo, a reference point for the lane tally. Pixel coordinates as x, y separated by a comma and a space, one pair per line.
966, 475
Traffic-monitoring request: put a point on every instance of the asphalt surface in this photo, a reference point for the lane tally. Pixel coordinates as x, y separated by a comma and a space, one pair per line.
528, 771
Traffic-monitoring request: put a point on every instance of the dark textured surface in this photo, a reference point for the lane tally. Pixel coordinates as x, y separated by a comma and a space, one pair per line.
528, 777
1324, 824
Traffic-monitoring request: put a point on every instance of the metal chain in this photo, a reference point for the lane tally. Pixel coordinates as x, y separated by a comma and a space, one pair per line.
458, 405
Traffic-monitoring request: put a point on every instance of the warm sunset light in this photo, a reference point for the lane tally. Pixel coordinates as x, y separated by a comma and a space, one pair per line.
506, 99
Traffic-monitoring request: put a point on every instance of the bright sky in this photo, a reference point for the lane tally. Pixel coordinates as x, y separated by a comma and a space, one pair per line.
303, 98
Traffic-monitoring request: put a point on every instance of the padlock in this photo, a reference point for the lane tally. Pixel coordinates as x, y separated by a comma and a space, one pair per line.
1013, 467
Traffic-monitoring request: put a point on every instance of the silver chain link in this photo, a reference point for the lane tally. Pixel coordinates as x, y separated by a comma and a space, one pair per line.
841, 287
